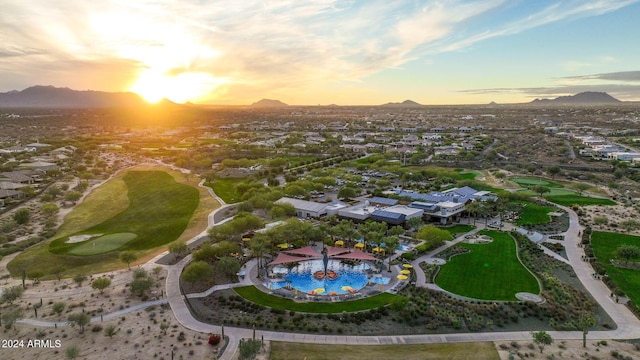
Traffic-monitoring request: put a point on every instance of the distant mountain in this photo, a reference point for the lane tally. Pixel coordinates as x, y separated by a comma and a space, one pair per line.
406, 103
588, 97
50, 96
269, 103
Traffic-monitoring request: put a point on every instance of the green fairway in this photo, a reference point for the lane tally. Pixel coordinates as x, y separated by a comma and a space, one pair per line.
568, 200
102, 244
450, 351
159, 210
488, 272
605, 245
532, 214
226, 189
533, 181
251, 293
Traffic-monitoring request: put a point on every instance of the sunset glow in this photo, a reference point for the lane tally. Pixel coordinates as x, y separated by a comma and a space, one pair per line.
325, 51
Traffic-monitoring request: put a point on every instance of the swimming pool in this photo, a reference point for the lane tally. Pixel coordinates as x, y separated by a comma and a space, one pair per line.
404, 248
301, 277
380, 280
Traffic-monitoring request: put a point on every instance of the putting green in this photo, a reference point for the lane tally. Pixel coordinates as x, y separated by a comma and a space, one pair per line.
526, 182
102, 244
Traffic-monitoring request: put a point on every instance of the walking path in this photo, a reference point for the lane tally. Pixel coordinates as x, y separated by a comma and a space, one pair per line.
628, 326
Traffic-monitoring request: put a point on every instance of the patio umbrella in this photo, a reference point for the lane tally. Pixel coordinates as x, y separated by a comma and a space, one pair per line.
407, 266
359, 245
318, 290
346, 288
333, 293
402, 277
405, 272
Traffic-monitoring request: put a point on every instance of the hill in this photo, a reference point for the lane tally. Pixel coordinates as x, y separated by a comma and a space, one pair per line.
50, 96
588, 97
269, 103
406, 103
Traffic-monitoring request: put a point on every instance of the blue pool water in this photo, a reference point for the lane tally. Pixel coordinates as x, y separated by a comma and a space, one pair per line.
301, 277
380, 280
404, 248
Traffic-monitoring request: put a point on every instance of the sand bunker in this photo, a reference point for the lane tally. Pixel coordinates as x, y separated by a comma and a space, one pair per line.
81, 238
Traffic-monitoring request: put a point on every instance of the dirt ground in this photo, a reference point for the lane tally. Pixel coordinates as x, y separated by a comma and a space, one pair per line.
569, 349
615, 214
139, 335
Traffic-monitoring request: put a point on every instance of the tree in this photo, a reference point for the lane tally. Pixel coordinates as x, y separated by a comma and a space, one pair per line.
542, 339
58, 307
101, 283
164, 326
128, 257
49, 209
540, 190
110, 331
140, 285
10, 317
391, 244
346, 193
11, 294
433, 235
581, 187
58, 271
585, 321
72, 196
227, 265
249, 349
628, 252
54, 191
35, 275
197, 271
22, 216
473, 208
178, 248
80, 319
79, 279
553, 171
415, 223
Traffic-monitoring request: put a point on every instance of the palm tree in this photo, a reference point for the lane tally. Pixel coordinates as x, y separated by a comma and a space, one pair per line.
474, 208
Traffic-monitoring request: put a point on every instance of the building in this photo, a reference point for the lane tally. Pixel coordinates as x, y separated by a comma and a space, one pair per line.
305, 209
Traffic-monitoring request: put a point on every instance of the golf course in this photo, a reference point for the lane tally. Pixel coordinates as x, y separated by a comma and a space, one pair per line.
141, 210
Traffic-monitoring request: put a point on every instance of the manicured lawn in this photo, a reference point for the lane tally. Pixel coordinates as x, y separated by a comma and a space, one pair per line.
251, 293
488, 272
605, 245
553, 192
226, 189
568, 200
159, 210
102, 204
102, 244
533, 214
451, 351
455, 230
533, 181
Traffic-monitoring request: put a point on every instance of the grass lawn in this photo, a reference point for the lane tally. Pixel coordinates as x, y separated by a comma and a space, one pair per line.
226, 189
451, 351
251, 293
605, 245
102, 244
159, 210
488, 272
553, 192
104, 203
533, 214
568, 200
455, 230
533, 181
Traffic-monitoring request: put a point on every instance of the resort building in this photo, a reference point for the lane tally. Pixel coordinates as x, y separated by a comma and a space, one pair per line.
305, 209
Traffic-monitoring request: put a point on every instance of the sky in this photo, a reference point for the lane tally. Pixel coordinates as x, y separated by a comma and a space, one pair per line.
312, 52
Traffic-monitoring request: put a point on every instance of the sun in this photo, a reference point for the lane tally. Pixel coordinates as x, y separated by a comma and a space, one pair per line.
154, 86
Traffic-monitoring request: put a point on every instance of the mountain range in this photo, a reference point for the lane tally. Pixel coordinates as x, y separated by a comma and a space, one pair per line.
54, 97
406, 103
587, 97
269, 103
